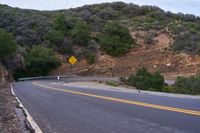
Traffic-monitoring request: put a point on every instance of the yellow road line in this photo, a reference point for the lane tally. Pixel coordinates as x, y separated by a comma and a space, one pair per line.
179, 110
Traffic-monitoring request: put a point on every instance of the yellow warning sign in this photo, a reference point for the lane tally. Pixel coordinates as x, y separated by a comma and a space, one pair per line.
72, 60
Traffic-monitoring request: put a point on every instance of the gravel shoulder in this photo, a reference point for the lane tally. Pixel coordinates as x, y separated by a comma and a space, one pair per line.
103, 86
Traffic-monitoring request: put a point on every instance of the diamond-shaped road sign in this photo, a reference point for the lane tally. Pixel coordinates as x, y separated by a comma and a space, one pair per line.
72, 60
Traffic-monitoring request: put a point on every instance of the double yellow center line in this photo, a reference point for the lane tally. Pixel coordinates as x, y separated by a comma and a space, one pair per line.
179, 110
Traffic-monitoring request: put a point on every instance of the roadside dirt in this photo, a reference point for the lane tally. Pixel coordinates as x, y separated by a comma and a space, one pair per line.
155, 57
9, 122
12, 117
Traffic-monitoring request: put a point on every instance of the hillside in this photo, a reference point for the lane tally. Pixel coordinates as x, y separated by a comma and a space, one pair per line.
162, 40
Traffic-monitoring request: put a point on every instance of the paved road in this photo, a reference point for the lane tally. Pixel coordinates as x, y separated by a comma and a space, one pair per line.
61, 109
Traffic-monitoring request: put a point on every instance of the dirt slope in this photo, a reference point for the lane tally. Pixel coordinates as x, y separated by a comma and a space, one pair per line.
155, 56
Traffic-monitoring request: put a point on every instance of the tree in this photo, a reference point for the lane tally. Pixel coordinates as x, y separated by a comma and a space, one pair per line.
81, 33
7, 44
40, 60
115, 39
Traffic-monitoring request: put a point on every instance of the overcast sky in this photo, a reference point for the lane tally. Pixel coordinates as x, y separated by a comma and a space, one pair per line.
185, 6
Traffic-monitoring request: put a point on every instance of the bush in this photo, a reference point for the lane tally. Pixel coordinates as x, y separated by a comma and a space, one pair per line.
159, 15
145, 81
59, 42
155, 82
187, 42
93, 46
190, 85
115, 39
174, 89
186, 37
62, 23
40, 60
81, 33
149, 39
7, 44
56, 38
107, 14
90, 57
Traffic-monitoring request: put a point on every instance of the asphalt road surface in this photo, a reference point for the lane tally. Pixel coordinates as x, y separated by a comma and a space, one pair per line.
61, 109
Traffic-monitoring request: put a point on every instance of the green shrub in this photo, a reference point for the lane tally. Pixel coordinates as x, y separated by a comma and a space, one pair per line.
155, 82
174, 89
40, 61
115, 39
63, 23
158, 81
92, 46
81, 33
7, 44
145, 81
187, 42
56, 38
186, 37
190, 85
90, 57
60, 42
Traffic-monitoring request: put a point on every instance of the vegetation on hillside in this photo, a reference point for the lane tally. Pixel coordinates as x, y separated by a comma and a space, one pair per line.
186, 36
115, 39
100, 25
7, 44
80, 33
39, 61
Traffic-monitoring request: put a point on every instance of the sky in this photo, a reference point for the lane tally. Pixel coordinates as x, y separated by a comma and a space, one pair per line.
185, 6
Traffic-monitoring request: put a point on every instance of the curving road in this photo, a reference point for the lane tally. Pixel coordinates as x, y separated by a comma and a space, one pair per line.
60, 109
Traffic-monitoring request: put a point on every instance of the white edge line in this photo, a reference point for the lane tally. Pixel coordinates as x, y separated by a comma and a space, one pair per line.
29, 117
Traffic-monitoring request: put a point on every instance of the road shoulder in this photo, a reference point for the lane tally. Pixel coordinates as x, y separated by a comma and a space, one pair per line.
97, 85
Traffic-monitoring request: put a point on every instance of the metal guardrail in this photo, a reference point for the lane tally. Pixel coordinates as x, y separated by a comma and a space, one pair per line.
45, 77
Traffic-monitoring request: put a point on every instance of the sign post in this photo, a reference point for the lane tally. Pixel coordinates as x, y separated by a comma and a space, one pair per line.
72, 60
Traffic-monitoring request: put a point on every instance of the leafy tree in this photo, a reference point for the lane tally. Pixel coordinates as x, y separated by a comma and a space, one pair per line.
40, 60
81, 33
7, 44
115, 39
